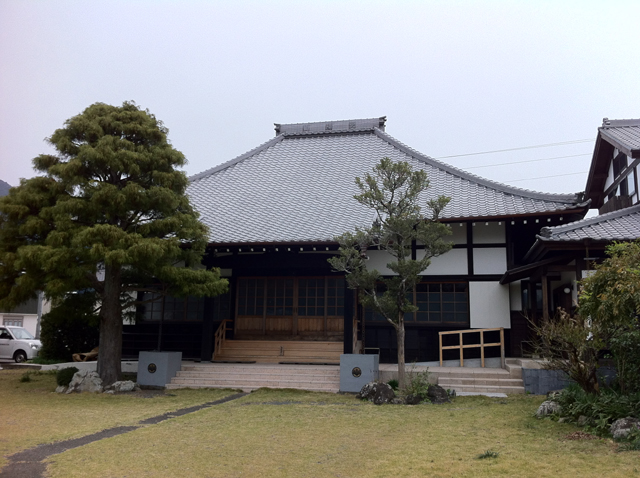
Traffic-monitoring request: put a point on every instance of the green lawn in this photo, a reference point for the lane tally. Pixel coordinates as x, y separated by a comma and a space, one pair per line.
286, 433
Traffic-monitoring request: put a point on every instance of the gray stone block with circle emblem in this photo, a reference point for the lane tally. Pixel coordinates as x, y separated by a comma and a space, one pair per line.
156, 369
357, 370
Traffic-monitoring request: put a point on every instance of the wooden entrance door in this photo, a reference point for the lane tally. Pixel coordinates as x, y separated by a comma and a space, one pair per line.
296, 307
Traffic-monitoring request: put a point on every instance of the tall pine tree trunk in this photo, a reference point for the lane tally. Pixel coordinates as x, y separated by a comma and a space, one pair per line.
400, 336
109, 365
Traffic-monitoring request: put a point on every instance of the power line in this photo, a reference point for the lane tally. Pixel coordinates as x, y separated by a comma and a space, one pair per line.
527, 161
517, 149
545, 177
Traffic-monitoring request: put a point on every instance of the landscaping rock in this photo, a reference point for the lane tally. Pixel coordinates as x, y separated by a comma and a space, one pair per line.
61, 389
548, 407
376, 392
620, 429
122, 386
413, 399
85, 381
583, 421
437, 394
366, 391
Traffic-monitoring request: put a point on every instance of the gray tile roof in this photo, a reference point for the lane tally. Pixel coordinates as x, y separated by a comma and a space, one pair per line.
623, 134
299, 186
621, 225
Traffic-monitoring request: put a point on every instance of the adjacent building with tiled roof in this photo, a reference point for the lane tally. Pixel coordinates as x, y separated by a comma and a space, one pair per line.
563, 254
613, 177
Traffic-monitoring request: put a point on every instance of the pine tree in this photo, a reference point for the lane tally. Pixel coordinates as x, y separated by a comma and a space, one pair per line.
108, 213
394, 193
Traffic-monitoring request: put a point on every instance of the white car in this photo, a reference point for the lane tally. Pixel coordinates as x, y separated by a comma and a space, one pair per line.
18, 344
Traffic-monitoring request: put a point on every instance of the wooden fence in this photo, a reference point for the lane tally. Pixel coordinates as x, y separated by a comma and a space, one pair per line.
462, 346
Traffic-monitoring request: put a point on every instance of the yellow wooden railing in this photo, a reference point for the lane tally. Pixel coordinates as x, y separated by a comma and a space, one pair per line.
461, 345
220, 337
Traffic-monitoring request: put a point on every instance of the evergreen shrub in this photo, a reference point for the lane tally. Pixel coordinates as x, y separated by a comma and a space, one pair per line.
71, 327
65, 375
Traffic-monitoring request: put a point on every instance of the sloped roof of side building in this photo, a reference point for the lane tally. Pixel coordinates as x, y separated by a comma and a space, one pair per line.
299, 186
623, 135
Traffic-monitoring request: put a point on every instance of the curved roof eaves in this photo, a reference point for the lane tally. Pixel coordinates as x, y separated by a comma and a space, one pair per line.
569, 198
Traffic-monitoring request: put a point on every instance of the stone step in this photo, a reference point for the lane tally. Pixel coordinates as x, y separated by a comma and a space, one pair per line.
261, 368
251, 377
473, 376
482, 381
506, 382
172, 386
277, 382
485, 389
255, 376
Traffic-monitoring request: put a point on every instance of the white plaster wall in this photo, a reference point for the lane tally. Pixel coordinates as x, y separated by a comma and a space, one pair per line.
458, 233
515, 295
378, 260
492, 260
631, 184
453, 262
489, 233
609, 180
489, 305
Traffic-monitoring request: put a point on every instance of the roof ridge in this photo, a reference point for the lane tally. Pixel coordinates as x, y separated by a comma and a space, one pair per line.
330, 127
548, 231
607, 123
248, 154
565, 198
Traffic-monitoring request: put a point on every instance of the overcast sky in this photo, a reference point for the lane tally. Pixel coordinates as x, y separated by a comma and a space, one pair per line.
452, 77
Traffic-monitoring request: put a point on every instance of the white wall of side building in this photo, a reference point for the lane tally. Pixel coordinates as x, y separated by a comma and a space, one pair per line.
489, 305
28, 321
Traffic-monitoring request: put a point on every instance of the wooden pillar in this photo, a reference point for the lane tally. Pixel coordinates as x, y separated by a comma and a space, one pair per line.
348, 319
545, 296
533, 301
208, 329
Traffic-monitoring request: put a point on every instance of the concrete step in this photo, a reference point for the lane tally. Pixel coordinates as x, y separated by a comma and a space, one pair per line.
260, 368
254, 376
273, 383
482, 380
474, 375
482, 389
172, 386
251, 377
505, 382
270, 383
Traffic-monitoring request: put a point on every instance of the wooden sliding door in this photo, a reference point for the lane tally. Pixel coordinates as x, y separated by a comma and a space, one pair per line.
286, 306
